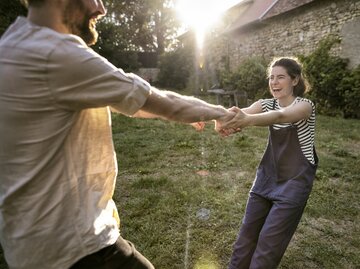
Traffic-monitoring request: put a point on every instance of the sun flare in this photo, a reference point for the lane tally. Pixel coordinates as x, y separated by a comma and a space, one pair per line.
199, 15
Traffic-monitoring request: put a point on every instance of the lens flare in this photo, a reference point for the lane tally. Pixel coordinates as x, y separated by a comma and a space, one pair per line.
199, 15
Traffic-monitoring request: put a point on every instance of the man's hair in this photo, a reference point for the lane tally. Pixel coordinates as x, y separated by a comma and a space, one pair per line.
27, 3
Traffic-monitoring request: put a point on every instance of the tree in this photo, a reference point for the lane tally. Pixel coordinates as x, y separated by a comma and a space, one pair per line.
165, 25
130, 27
175, 68
9, 10
146, 25
112, 45
135, 26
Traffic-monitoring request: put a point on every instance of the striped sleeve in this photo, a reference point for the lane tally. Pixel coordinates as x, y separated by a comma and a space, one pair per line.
266, 104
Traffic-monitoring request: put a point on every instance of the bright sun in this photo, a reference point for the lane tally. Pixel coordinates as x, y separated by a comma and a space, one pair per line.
200, 14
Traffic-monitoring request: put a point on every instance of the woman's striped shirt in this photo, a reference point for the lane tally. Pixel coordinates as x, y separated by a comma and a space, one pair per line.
305, 127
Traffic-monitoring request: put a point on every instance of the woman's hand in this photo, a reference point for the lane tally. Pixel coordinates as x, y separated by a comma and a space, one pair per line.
219, 125
199, 126
236, 124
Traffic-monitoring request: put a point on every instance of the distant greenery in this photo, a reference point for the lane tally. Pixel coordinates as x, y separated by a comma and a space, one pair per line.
350, 88
175, 68
130, 27
9, 10
140, 25
250, 76
335, 87
113, 45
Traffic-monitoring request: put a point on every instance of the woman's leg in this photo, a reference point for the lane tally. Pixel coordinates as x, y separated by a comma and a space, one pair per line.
257, 209
278, 229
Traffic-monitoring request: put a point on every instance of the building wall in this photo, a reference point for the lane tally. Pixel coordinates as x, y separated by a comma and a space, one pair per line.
295, 32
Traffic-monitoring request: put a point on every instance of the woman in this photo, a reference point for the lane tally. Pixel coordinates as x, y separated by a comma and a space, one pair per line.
286, 172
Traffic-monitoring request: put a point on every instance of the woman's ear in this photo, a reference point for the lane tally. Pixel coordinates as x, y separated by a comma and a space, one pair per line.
295, 81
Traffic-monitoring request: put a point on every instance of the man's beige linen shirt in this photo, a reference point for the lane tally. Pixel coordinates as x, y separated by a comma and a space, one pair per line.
57, 160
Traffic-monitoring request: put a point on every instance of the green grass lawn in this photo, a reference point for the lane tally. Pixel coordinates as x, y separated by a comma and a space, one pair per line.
181, 194
161, 194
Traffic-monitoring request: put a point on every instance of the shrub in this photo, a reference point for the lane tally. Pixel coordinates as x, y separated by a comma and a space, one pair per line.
350, 88
175, 68
325, 73
250, 76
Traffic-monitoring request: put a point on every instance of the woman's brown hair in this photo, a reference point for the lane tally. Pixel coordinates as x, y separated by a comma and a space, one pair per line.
294, 69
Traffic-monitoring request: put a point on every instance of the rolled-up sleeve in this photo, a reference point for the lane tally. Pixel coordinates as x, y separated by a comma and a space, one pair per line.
79, 78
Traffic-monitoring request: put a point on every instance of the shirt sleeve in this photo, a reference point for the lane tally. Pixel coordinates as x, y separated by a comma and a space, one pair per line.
309, 101
79, 78
266, 104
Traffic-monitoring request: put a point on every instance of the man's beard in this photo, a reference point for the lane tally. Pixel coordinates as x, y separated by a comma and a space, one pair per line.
83, 27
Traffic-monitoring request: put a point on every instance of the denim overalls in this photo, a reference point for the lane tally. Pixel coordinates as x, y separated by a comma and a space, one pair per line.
276, 202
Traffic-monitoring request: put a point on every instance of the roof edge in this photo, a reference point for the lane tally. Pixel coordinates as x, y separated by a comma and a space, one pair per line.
268, 9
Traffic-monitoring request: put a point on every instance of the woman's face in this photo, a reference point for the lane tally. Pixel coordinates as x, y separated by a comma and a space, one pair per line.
280, 83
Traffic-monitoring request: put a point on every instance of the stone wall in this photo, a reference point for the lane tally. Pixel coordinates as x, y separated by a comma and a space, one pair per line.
293, 33
350, 45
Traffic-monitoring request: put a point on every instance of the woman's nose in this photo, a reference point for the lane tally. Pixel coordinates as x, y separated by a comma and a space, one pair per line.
273, 81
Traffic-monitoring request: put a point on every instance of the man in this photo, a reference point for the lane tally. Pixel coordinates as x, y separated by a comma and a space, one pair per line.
57, 161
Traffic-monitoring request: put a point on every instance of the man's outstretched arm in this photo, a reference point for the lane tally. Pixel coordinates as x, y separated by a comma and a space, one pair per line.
172, 106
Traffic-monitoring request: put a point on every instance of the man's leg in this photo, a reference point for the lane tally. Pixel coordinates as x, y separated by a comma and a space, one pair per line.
121, 255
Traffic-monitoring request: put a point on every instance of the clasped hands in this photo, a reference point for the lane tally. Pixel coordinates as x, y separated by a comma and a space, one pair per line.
232, 122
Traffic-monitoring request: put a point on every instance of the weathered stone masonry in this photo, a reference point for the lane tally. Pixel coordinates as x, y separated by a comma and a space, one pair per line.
295, 32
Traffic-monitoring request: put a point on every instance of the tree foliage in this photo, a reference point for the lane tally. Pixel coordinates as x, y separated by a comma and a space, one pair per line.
131, 27
325, 72
175, 68
335, 88
250, 77
146, 25
9, 10
112, 44
350, 88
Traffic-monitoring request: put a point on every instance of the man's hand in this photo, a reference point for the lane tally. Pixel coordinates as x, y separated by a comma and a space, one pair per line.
219, 123
234, 124
237, 123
